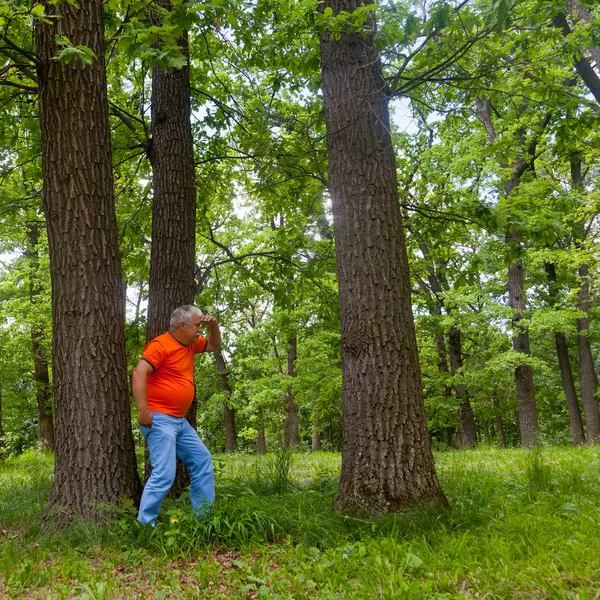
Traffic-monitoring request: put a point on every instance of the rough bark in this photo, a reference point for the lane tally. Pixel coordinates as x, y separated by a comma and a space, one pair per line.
291, 428
387, 463
173, 251
468, 433
95, 458
41, 372
228, 412
316, 438
564, 363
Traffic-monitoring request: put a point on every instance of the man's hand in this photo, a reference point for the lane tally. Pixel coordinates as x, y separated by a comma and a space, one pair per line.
214, 332
145, 417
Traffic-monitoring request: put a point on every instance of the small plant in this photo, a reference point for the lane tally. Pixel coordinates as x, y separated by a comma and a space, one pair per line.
278, 470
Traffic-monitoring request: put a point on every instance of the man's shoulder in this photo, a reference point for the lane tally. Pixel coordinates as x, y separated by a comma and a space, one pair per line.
164, 341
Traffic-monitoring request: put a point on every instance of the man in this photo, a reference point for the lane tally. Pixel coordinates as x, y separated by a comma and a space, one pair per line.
163, 388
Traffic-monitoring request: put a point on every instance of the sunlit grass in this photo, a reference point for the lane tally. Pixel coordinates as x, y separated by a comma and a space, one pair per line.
523, 525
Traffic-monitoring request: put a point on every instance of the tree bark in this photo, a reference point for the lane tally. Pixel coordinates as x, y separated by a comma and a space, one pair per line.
228, 412
468, 433
40, 360
387, 462
291, 428
95, 458
566, 373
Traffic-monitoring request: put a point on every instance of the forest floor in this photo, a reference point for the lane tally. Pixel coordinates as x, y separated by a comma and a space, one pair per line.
523, 525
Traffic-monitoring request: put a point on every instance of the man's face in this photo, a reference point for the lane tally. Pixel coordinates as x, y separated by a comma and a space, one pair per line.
191, 331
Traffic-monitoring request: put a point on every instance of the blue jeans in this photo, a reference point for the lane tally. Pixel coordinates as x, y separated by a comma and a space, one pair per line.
167, 438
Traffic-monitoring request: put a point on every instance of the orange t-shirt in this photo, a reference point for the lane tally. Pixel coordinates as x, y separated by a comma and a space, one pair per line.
170, 387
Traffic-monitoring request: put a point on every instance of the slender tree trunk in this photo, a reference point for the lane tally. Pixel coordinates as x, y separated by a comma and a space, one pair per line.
387, 462
566, 373
291, 429
40, 360
95, 458
228, 412
499, 425
528, 420
588, 380
316, 438
261, 442
468, 434
173, 252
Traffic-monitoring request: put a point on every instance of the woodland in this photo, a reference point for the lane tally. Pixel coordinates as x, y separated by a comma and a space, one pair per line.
390, 208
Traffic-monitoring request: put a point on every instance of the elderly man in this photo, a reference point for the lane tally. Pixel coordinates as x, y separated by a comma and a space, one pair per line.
163, 388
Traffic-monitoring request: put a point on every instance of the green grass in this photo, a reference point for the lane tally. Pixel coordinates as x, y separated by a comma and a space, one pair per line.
523, 525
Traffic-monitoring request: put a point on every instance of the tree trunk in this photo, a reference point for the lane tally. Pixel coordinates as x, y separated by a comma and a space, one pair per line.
528, 420
40, 360
499, 425
387, 462
588, 379
566, 373
261, 442
95, 458
173, 252
316, 438
291, 428
468, 434
228, 412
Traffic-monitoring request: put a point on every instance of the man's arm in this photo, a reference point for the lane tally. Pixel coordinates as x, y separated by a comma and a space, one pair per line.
138, 385
214, 333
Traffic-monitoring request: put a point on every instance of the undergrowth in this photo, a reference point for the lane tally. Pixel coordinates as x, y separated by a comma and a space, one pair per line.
522, 525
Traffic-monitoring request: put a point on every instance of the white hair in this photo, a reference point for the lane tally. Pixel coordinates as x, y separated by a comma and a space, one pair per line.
183, 314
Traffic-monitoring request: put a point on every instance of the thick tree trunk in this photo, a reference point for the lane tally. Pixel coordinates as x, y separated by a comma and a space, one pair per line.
316, 438
588, 380
499, 425
387, 462
468, 433
228, 412
291, 427
95, 458
40, 360
566, 373
173, 252
528, 420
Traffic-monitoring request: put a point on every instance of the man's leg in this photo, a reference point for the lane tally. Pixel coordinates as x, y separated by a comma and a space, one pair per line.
162, 446
195, 456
